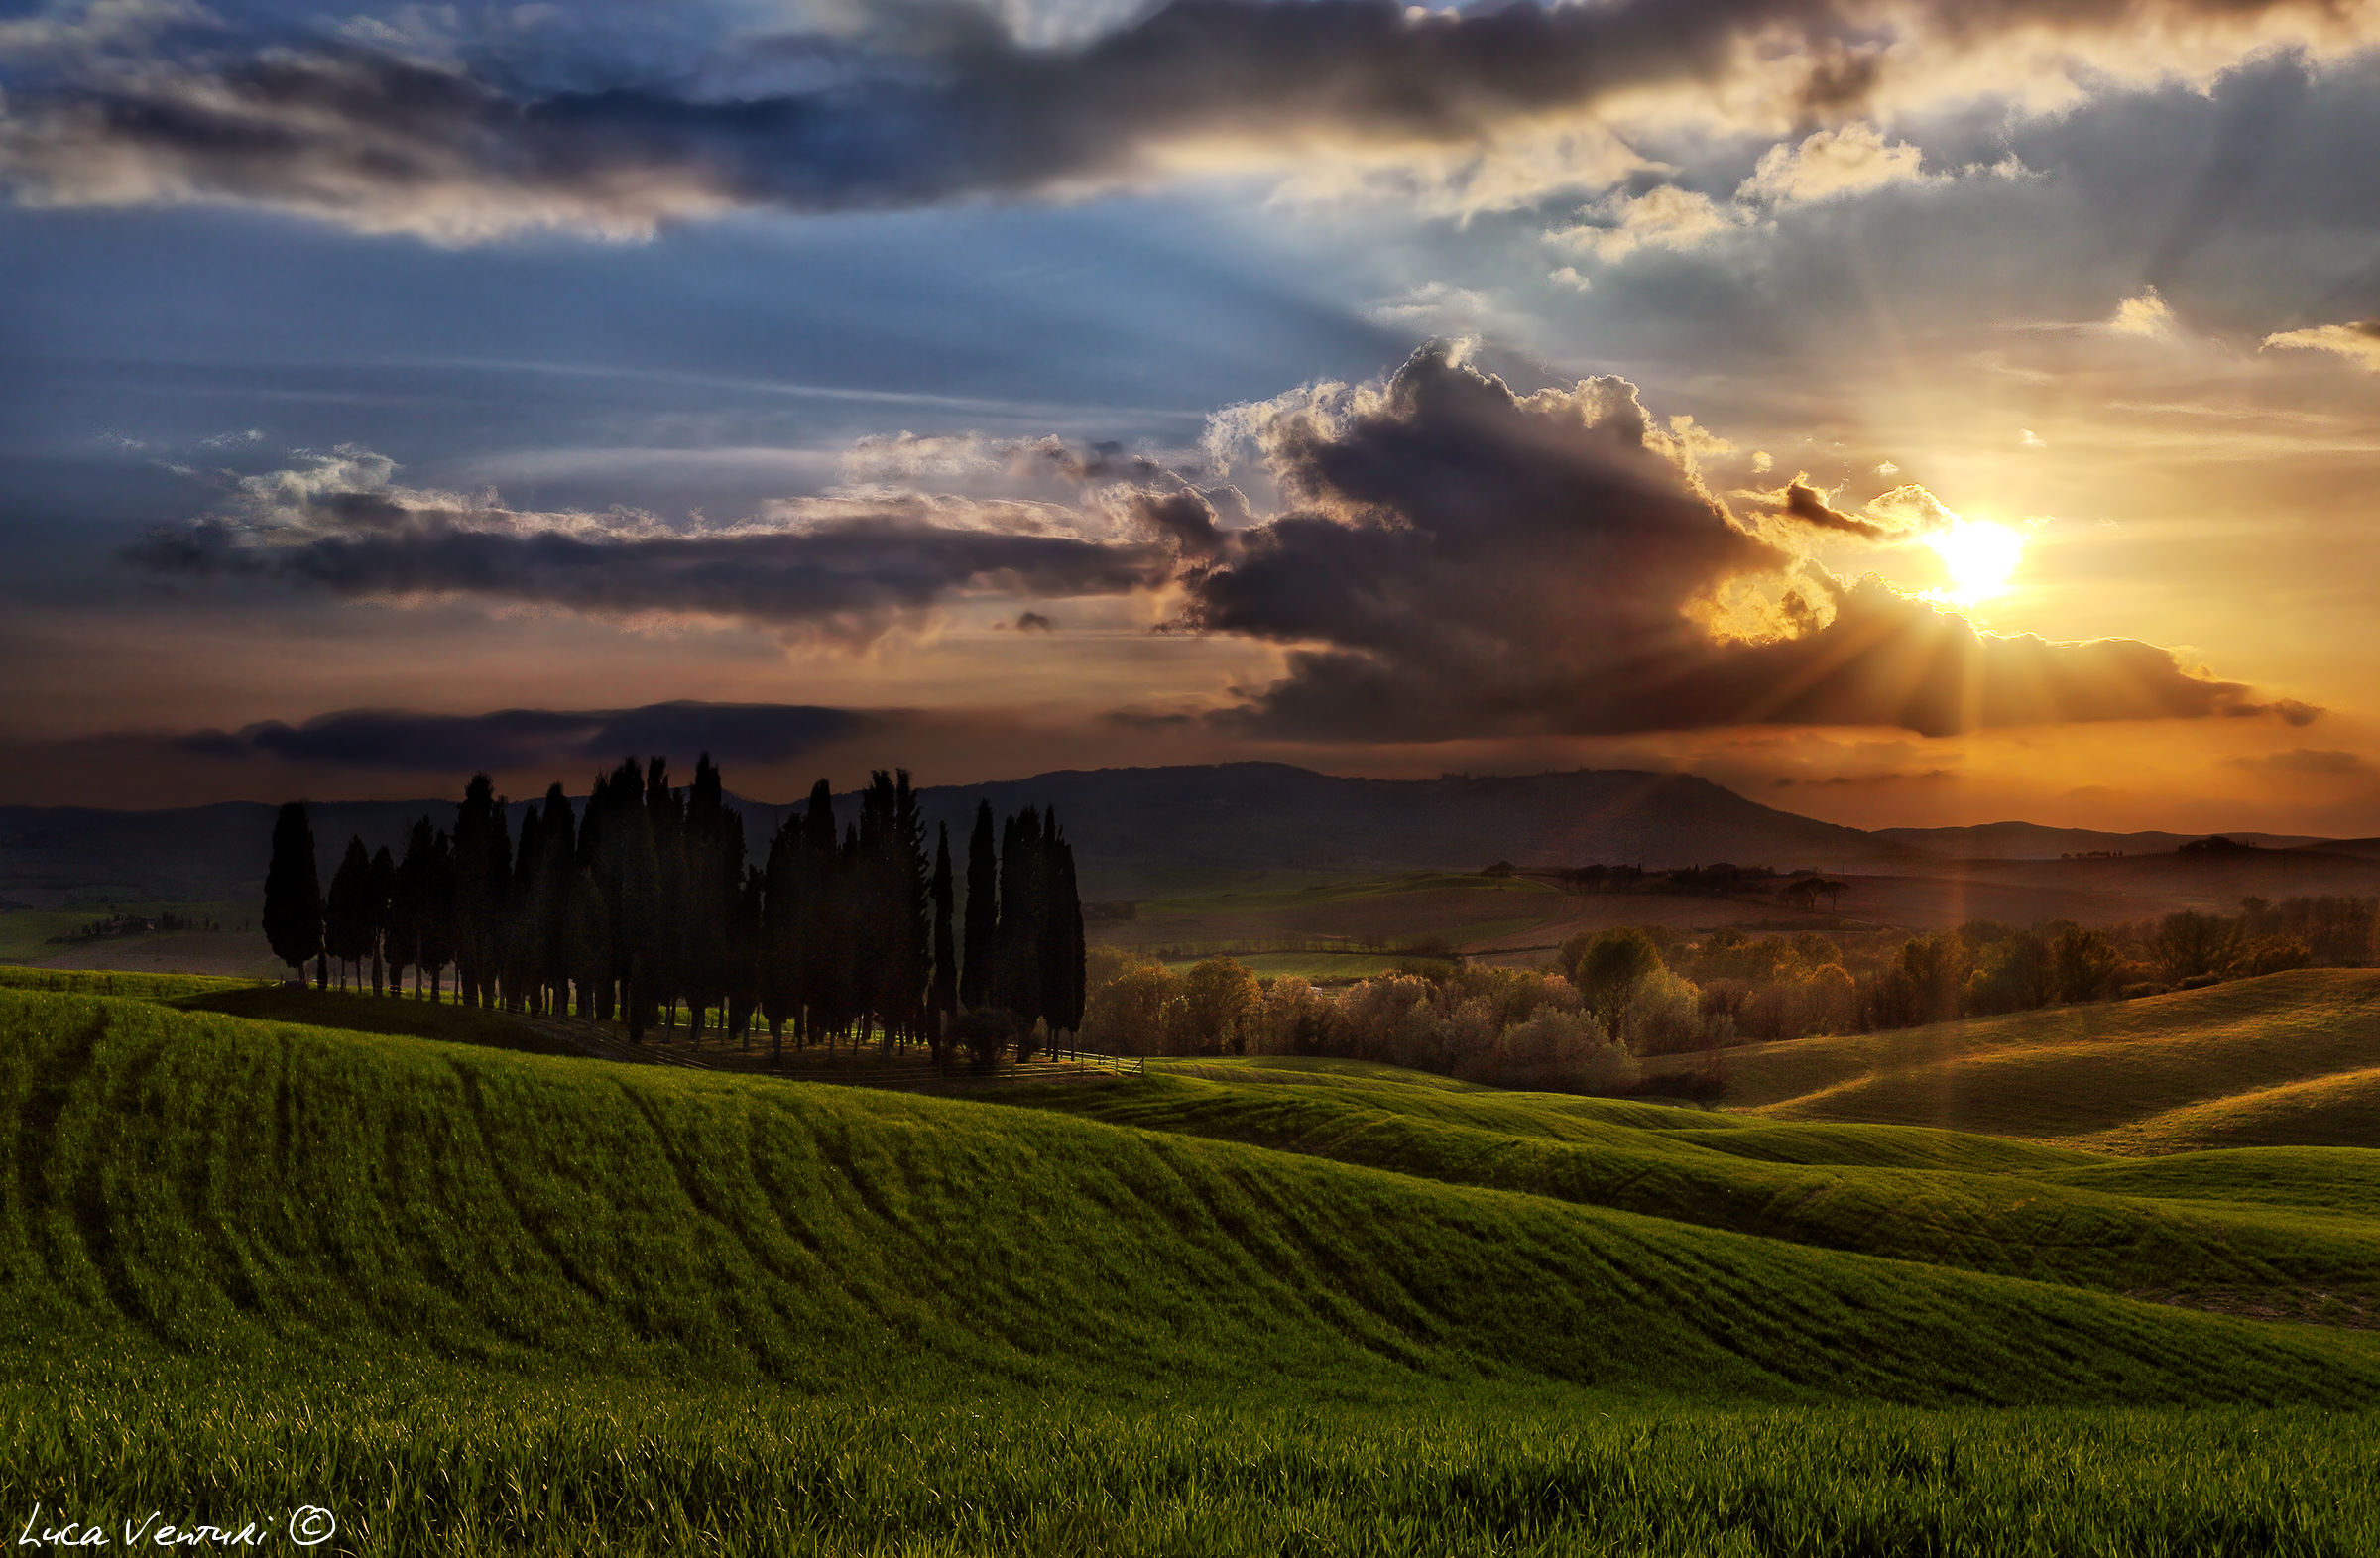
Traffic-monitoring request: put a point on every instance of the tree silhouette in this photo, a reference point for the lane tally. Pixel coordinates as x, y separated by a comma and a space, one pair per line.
292, 917
942, 995
646, 897
975, 978
483, 859
346, 927
380, 886
409, 903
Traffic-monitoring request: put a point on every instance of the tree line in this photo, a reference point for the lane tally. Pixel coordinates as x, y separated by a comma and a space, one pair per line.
1613, 997
645, 902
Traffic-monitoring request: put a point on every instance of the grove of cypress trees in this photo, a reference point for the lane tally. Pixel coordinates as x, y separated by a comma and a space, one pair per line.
854, 929
292, 917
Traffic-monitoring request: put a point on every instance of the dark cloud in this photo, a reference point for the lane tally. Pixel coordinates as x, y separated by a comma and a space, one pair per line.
1186, 518
404, 740
1867, 780
1035, 622
928, 103
1806, 503
2306, 761
1466, 562
851, 576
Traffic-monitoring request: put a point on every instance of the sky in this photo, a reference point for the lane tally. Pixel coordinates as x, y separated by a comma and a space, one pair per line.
1902, 411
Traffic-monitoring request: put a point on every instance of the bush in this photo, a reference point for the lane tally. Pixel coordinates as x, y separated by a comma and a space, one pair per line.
2200, 981
984, 1032
2142, 989
1662, 1016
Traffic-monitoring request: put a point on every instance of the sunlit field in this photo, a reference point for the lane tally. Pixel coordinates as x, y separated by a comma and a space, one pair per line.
476, 1300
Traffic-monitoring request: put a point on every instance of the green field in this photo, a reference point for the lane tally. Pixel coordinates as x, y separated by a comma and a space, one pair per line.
1265, 925
29, 935
2287, 1059
478, 1300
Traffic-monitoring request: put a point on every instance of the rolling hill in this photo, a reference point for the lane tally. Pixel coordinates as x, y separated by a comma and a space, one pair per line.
2286, 1060
479, 1300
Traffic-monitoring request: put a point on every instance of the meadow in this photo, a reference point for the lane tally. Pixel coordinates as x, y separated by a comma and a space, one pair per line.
2282, 1059
474, 1300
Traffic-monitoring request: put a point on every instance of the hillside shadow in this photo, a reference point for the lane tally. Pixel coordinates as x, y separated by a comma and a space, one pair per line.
401, 1016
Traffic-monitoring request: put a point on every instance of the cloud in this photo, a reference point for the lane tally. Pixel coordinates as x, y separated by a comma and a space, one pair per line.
406, 741
849, 566
1901, 514
1829, 165
2146, 313
1459, 560
463, 124
1666, 216
2358, 341
2304, 762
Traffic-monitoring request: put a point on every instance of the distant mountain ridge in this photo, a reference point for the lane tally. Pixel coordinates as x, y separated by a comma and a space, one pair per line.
1136, 832
2033, 841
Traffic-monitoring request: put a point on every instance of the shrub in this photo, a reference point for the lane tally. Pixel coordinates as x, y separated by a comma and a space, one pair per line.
1662, 1016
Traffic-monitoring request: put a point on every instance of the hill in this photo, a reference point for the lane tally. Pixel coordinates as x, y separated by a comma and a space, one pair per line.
2032, 841
1136, 832
474, 1300
2282, 1059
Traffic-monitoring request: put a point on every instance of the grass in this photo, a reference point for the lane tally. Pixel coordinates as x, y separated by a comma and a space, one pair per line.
1492, 892
1383, 912
2286, 1057
483, 1301
1973, 1203
26, 933
1313, 965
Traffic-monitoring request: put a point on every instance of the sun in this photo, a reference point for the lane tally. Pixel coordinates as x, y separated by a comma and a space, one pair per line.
1981, 557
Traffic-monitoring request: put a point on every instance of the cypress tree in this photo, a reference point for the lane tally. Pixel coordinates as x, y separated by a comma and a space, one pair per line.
378, 887
435, 927
345, 932
482, 867
518, 969
1018, 981
713, 849
910, 947
665, 918
625, 869
742, 988
409, 896
1060, 932
942, 995
292, 917
975, 978
556, 888
588, 948
779, 949
822, 927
